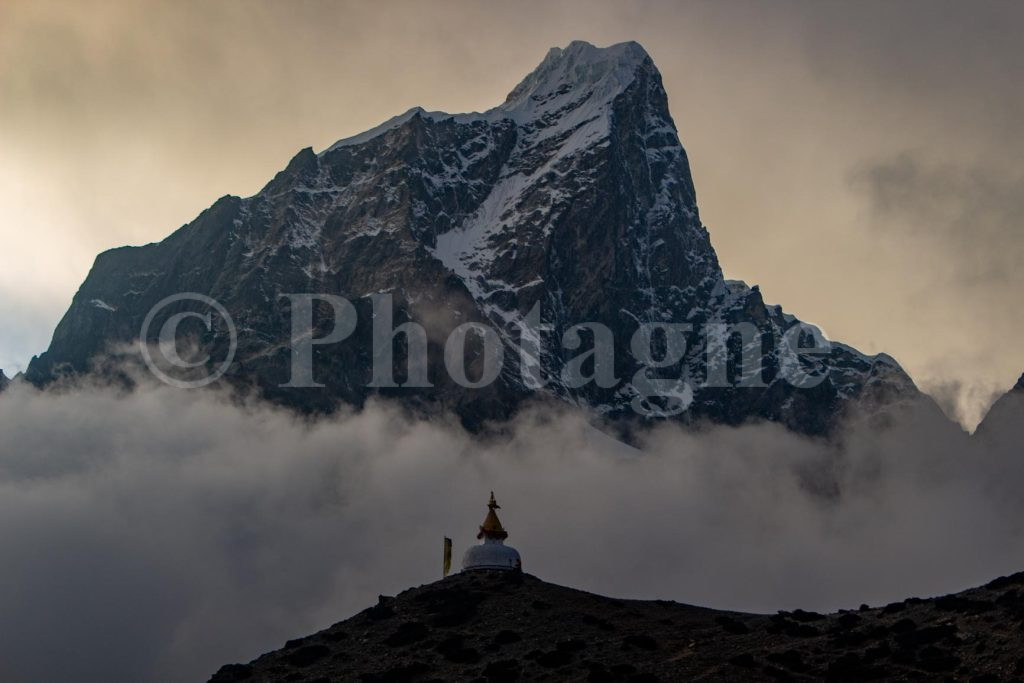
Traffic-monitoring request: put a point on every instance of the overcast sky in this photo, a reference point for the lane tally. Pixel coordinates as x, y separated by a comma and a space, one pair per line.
860, 161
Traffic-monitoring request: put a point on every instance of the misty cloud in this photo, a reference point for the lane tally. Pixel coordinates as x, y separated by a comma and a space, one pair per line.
157, 535
965, 403
962, 222
973, 214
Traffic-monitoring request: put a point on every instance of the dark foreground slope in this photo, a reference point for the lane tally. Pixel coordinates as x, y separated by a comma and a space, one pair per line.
514, 627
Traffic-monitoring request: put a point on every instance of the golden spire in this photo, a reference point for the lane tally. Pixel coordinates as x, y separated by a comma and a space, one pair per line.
491, 528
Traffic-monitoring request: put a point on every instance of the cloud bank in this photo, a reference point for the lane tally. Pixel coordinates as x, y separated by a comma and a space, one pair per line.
156, 535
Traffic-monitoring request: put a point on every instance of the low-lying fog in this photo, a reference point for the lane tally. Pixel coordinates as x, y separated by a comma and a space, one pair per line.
156, 535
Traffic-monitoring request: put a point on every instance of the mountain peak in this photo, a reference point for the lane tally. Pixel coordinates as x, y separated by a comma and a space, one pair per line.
579, 73
573, 198
579, 69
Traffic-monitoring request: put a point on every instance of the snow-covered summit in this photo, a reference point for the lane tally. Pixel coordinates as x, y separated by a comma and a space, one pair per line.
579, 81
579, 70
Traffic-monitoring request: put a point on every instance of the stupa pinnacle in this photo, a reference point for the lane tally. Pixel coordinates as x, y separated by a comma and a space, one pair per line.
492, 553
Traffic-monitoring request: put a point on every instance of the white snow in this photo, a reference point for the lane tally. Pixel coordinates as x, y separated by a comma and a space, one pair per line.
568, 99
100, 303
390, 124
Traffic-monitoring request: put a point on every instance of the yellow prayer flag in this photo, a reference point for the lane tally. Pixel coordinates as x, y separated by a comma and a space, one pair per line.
447, 555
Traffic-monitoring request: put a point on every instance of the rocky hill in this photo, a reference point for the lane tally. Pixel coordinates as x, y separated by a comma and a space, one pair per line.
502, 626
574, 195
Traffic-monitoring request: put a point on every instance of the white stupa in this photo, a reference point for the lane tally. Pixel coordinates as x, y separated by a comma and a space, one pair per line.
492, 553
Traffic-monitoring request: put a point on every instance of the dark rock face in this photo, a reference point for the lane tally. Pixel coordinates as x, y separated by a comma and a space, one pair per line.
1005, 414
514, 627
574, 195
3, 381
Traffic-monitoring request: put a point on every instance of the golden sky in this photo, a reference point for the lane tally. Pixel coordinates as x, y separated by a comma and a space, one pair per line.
862, 162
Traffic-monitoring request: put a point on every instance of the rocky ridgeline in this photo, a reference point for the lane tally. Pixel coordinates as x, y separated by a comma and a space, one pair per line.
502, 626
